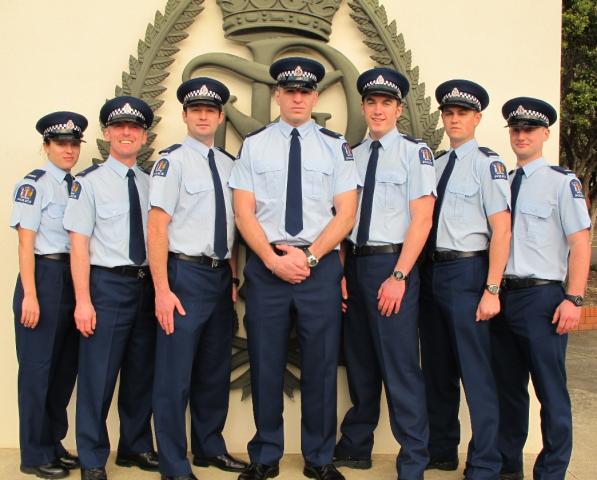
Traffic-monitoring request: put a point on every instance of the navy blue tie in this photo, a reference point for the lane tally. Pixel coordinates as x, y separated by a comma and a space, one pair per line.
368, 190
220, 228
293, 221
137, 251
68, 178
441, 189
514, 190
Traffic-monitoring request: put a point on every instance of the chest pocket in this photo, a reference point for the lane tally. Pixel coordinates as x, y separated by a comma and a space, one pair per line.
463, 200
391, 189
200, 195
112, 219
317, 179
536, 222
269, 180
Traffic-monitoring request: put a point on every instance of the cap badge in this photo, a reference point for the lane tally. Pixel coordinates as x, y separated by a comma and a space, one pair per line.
520, 109
298, 71
203, 90
70, 125
455, 92
380, 80
127, 108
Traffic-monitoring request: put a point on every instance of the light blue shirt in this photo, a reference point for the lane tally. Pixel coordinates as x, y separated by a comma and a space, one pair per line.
404, 172
550, 207
477, 189
98, 208
181, 184
328, 169
38, 205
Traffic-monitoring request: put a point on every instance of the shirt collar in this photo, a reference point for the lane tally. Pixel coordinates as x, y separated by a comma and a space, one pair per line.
465, 148
118, 167
197, 145
533, 166
387, 140
303, 129
56, 172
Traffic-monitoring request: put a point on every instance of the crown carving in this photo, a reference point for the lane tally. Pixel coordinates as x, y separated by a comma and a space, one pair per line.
253, 19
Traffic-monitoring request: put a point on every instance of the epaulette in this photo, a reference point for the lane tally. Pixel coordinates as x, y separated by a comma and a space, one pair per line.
232, 157
88, 170
171, 148
411, 139
439, 153
562, 170
35, 175
357, 144
488, 152
330, 133
255, 132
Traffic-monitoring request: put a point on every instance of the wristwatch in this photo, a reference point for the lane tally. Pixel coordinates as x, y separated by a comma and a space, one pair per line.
312, 260
398, 275
493, 288
575, 299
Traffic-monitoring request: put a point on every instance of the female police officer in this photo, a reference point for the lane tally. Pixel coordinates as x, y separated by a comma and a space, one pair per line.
43, 305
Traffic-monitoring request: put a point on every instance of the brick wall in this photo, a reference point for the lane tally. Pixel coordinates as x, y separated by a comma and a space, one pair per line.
588, 318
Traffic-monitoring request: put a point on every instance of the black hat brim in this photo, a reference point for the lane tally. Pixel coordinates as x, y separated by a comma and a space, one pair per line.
459, 103
203, 101
124, 118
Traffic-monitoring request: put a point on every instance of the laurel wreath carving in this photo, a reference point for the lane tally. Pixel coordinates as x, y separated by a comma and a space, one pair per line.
149, 69
389, 47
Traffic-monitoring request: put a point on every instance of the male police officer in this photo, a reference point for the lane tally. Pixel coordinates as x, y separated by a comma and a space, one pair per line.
106, 217
191, 254
460, 285
550, 239
289, 177
381, 340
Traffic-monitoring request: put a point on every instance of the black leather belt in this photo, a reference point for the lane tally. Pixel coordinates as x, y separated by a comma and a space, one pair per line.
374, 249
140, 273
516, 282
280, 253
448, 255
201, 259
59, 257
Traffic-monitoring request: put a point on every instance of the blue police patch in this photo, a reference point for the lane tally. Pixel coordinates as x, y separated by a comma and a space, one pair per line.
161, 168
75, 191
425, 156
576, 189
26, 194
498, 171
347, 152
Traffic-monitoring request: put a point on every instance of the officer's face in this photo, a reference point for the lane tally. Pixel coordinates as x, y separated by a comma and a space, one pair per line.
126, 139
63, 153
527, 142
295, 105
381, 114
202, 122
460, 124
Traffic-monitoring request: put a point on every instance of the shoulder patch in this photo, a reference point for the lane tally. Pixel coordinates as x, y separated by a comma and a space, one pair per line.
229, 155
255, 132
35, 175
562, 170
26, 194
425, 156
170, 149
75, 191
357, 144
576, 189
498, 171
488, 152
88, 170
330, 133
161, 167
347, 152
411, 139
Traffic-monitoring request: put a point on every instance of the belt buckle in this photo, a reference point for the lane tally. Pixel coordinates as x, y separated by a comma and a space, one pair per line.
214, 263
355, 249
434, 256
141, 274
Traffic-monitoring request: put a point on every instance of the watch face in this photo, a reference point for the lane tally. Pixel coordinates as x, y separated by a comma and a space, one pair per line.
493, 289
312, 261
398, 275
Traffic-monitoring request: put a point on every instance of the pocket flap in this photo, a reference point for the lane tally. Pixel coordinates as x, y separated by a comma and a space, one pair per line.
318, 166
466, 189
541, 210
112, 209
391, 177
264, 166
196, 186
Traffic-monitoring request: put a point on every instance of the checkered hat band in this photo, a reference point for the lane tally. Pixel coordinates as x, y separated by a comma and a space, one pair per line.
462, 96
201, 94
290, 73
128, 111
529, 114
385, 83
62, 128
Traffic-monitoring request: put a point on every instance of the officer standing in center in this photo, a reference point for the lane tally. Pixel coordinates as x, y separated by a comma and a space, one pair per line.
192, 255
381, 338
464, 261
290, 177
106, 216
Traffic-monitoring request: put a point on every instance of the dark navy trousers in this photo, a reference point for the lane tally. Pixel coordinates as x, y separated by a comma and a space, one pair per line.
383, 349
455, 347
48, 357
524, 342
317, 305
124, 341
193, 366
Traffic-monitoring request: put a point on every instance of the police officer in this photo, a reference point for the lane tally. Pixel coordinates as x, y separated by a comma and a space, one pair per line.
106, 217
466, 254
381, 340
288, 178
550, 240
43, 304
193, 261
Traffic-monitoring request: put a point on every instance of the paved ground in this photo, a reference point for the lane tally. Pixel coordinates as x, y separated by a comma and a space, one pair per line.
582, 374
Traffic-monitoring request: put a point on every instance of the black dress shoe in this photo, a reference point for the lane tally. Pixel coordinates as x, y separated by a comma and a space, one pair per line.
325, 472
352, 462
94, 474
188, 476
259, 471
49, 470
224, 462
445, 465
144, 461
511, 476
69, 461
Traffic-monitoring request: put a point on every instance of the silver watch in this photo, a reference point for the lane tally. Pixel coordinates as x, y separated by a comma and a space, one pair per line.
398, 275
312, 260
